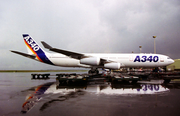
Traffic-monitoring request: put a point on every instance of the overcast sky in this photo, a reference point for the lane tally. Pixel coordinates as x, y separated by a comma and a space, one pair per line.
113, 26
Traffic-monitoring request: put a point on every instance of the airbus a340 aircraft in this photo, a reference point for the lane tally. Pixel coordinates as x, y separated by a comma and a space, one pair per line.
94, 61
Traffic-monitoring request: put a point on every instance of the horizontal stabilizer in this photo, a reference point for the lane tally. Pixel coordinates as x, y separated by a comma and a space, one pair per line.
25, 55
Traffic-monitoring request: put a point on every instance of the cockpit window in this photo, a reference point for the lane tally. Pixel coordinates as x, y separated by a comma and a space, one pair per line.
168, 58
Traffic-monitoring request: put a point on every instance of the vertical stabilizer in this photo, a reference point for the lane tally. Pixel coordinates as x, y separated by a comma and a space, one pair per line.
34, 48
31, 44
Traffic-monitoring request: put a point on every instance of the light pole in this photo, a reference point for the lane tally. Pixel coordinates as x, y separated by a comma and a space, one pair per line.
154, 44
140, 48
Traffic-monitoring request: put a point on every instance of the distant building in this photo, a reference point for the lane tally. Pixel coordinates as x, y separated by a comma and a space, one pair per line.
175, 66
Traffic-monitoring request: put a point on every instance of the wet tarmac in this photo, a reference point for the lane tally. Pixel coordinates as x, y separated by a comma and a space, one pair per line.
22, 96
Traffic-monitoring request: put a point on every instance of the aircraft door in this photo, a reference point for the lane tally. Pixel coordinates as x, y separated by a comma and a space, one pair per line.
161, 59
131, 58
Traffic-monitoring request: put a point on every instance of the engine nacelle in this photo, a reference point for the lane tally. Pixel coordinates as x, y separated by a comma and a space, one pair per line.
90, 61
112, 65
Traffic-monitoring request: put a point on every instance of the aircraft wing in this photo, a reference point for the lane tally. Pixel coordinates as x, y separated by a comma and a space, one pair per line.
74, 55
23, 54
65, 52
69, 53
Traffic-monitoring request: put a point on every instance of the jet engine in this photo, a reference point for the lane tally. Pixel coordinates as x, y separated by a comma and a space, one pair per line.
90, 61
112, 65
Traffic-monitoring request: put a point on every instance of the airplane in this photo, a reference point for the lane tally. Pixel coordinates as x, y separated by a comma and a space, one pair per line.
94, 61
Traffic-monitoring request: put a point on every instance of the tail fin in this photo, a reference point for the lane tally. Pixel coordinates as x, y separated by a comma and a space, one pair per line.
34, 48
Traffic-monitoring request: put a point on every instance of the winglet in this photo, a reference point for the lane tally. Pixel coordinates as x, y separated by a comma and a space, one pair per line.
46, 45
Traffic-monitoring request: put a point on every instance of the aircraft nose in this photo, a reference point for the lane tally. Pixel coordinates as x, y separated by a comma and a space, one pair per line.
171, 61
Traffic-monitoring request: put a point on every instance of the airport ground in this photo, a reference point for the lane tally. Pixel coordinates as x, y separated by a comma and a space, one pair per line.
22, 96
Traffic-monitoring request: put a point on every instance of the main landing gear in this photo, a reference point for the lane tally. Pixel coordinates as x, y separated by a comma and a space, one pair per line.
93, 71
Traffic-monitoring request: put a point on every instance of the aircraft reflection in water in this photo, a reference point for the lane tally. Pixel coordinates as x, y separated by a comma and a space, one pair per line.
35, 97
66, 90
134, 89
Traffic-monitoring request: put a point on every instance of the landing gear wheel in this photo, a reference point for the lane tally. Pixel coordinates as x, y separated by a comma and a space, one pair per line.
95, 72
89, 72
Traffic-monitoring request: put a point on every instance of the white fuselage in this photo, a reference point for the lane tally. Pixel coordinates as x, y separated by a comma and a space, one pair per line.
126, 60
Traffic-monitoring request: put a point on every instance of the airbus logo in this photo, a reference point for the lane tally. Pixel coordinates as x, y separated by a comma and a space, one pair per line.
146, 58
33, 45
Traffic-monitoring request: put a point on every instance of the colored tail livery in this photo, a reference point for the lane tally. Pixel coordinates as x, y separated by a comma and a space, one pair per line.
66, 58
35, 49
